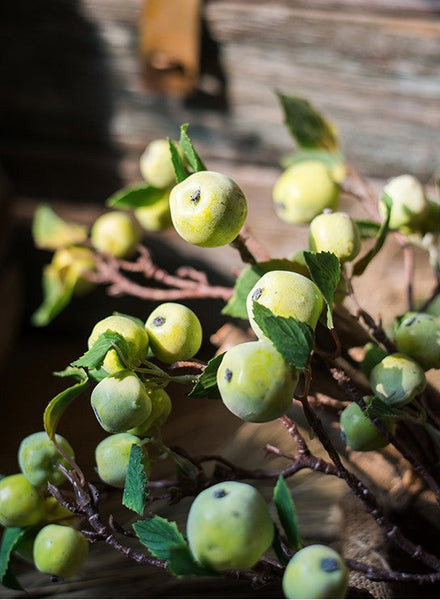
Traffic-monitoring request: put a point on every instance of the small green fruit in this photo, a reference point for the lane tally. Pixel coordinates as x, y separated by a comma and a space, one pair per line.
161, 409
60, 550
359, 432
208, 209
286, 294
335, 232
315, 571
157, 216
303, 191
409, 205
418, 336
54, 512
21, 504
120, 402
112, 456
71, 263
174, 331
255, 382
38, 458
134, 335
116, 233
229, 526
156, 165
397, 379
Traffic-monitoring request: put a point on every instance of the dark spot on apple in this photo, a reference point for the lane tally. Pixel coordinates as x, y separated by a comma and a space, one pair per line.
159, 321
228, 375
329, 565
221, 493
257, 293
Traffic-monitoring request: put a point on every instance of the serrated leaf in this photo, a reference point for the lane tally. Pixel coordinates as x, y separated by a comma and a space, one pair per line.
74, 372
57, 293
178, 163
334, 161
135, 196
206, 386
51, 232
236, 306
306, 124
360, 266
94, 357
11, 537
181, 563
325, 270
378, 408
287, 513
135, 488
293, 339
368, 229
189, 151
159, 535
58, 404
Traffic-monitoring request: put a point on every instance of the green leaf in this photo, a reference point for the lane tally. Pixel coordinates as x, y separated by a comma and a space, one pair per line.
334, 161
360, 266
293, 339
11, 537
181, 562
206, 386
178, 163
325, 270
278, 548
51, 232
287, 513
189, 151
135, 488
57, 293
236, 306
94, 357
58, 404
135, 196
368, 229
306, 124
159, 535
378, 408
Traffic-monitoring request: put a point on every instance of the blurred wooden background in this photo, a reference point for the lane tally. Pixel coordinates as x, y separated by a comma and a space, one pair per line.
77, 107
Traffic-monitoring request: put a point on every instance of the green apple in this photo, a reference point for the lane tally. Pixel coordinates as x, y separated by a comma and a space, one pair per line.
155, 164
120, 402
157, 216
71, 263
316, 571
134, 335
397, 379
38, 458
174, 331
160, 411
304, 190
21, 503
409, 205
335, 232
286, 294
116, 233
60, 550
359, 432
229, 526
255, 382
418, 336
208, 209
112, 456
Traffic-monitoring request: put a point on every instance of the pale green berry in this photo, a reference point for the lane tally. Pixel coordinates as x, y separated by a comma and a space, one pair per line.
335, 232
135, 336
359, 432
174, 331
286, 294
316, 571
112, 457
418, 336
229, 526
21, 504
71, 263
397, 379
157, 216
60, 550
54, 512
160, 411
120, 402
409, 205
303, 191
155, 164
38, 458
255, 382
116, 233
208, 209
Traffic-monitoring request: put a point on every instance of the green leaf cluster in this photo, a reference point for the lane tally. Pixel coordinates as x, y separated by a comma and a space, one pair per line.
190, 156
